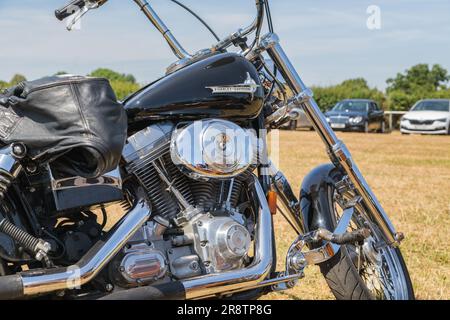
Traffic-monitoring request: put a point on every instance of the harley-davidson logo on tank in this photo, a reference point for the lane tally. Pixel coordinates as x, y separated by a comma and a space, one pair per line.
249, 86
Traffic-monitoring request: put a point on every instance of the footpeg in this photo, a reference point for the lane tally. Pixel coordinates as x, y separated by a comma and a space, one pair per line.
297, 259
345, 238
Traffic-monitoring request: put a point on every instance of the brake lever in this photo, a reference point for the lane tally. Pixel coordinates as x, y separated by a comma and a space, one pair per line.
80, 13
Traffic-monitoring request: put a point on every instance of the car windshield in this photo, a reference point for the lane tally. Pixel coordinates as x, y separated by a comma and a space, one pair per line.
358, 106
432, 106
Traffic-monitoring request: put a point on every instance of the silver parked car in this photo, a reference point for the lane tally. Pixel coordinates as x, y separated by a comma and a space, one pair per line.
430, 116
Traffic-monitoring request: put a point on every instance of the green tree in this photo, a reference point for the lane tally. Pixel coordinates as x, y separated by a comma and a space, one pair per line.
418, 82
60, 73
357, 84
357, 88
123, 84
123, 88
3, 85
419, 78
16, 79
113, 75
401, 101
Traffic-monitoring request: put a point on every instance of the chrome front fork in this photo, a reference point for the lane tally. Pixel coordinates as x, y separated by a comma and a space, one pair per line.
338, 152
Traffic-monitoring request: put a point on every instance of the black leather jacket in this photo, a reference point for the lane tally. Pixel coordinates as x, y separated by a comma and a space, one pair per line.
74, 122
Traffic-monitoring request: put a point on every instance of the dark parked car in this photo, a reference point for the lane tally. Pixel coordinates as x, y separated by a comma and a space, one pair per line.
356, 115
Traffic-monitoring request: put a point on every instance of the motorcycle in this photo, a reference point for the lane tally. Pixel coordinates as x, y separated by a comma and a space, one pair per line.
197, 186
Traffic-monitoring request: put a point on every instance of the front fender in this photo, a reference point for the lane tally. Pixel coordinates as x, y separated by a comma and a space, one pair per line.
316, 197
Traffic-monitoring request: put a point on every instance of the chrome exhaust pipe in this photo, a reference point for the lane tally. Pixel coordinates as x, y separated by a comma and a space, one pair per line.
243, 279
42, 281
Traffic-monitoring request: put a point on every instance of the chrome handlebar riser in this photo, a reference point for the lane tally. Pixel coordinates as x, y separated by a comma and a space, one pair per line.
176, 47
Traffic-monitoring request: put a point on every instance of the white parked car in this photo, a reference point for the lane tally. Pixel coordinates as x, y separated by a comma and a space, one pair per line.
431, 116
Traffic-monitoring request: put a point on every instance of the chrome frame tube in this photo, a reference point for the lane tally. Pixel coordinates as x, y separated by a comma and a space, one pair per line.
337, 150
247, 278
176, 47
48, 280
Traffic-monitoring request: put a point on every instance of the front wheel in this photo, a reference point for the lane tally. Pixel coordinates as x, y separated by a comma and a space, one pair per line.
369, 270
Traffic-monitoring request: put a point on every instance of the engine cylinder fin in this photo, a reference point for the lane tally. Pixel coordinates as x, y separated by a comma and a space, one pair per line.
206, 193
236, 192
160, 198
147, 159
179, 180
238, 185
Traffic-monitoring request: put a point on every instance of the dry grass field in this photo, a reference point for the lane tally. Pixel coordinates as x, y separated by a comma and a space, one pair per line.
411, 177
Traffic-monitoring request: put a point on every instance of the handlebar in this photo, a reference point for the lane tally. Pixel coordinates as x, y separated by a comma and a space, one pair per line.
76, 5
69, 9
82, 6
256, 25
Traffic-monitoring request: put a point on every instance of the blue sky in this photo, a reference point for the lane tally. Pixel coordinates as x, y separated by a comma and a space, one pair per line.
327, 40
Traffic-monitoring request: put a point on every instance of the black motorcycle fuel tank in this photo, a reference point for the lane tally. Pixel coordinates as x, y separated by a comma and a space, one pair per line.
224, 85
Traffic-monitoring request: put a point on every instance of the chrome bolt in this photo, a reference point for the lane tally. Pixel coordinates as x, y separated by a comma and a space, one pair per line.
194, 265
399, 236
298, 261
19, 150
31, 168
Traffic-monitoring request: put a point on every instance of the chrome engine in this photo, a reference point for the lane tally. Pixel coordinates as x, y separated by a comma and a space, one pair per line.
221, 242
198, 226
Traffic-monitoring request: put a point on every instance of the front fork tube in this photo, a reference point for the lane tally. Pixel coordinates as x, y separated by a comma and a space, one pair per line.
338, 152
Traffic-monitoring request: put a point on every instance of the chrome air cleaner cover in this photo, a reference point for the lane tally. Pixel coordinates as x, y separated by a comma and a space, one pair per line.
213, 149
